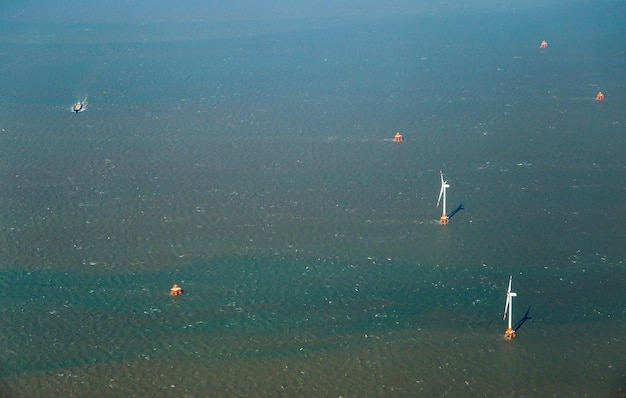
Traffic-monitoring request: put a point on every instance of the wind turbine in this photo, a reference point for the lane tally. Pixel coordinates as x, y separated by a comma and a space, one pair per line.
510, 333
444, 184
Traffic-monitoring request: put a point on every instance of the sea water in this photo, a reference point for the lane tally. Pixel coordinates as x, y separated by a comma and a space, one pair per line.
257, 171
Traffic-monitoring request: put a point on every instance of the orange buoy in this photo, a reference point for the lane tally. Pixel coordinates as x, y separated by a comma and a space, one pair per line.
544, 44
600, 96
176, 290
397, 137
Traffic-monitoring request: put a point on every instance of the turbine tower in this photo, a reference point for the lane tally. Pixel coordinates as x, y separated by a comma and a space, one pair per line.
444, 185
510, 333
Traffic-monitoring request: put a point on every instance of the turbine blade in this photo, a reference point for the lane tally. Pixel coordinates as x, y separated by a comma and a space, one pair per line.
506, 306
441, 175
440, 194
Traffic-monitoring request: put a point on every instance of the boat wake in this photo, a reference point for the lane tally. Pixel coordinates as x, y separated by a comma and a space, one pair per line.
79, 106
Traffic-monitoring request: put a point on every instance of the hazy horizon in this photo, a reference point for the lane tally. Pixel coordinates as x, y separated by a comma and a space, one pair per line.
162, 11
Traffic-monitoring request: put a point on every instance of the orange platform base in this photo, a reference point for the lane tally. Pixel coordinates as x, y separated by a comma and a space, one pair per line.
509, 334
176, 290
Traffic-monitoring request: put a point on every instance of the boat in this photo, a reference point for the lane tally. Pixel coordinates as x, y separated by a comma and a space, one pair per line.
78, 107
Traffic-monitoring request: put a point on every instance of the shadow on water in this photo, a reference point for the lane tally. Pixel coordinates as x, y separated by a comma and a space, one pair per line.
523, 320
453, 212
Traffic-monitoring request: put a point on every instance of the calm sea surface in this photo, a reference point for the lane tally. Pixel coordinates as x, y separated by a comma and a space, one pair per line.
257, 171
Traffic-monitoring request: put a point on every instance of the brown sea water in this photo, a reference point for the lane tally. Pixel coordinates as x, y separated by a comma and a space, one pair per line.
257, 171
